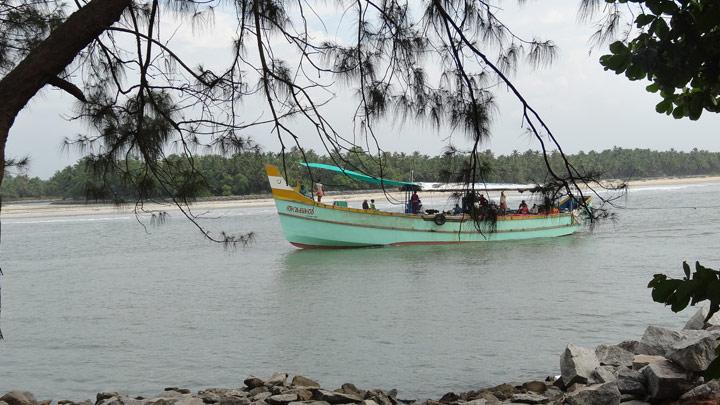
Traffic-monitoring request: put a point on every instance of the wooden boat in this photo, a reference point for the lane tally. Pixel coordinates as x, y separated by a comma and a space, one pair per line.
311, 224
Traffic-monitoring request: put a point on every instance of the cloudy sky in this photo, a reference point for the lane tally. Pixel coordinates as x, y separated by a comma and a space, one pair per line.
586, 107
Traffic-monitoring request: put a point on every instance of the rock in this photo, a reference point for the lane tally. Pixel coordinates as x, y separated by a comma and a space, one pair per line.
630, 345
709, 390
277, 389
368, 402
253, 382
636, 402
503, 391
19, 398
309, 403
481, 401
614, 355
186, 401
449, 397
605, 374
660, 341
300, 381
105, 395
277, 379
642, 360
631, 382
529, 398
232, 401
657, 341
335, 397
302, 394
262, 396
538, 387
697, 321
695, 354
577, 364
281, 399
665, 380
351, 389
598, 394
45, 402
257, 390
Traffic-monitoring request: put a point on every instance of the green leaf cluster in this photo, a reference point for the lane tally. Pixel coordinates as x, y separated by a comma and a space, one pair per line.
677, 48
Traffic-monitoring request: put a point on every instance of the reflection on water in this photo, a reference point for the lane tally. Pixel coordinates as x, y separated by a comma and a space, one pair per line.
99, 304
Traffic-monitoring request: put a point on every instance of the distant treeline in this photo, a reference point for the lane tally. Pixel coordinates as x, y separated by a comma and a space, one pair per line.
244, 173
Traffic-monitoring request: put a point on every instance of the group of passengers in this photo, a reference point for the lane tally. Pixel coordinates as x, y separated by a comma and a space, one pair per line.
367, 206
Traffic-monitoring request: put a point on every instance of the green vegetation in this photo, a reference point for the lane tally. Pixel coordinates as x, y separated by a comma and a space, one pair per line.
244, 173
677, 48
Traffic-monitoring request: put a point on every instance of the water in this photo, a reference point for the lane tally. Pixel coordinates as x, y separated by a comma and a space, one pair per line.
94, 303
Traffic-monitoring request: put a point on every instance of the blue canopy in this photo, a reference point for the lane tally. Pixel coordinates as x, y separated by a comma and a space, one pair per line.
362, 177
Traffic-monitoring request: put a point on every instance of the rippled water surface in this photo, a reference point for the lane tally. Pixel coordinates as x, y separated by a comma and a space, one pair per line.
95, 303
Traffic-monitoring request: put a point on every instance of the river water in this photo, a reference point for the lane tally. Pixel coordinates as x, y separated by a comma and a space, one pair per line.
95, 303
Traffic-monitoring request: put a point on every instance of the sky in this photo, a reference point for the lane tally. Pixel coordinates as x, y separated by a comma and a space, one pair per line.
586, 107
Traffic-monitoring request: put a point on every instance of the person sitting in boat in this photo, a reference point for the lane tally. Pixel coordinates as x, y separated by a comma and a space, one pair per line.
523, 208
534, 209
365, 205
415, 203
483, 201
372, 205
457, 210
303, 190
319, 192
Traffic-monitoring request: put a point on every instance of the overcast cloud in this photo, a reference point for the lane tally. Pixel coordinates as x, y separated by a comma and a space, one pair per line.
586, 107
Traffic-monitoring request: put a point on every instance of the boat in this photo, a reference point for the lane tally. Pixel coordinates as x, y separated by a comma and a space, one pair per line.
307, 223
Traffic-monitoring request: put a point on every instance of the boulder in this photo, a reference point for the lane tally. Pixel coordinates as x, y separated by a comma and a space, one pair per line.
281, 399
232, 401
302, 394
577, 365
449, 397
697, 321
335, 397
19, 398
262, 396
503, 391
665, 380
709, 390
368, 402
538, 387
253, 382
105, 395
277, 379
309, 403
529, 398
598, 394
629, 345
614, 355
657, 341
300, 381
631, 382
642, 360
695, 354
257, 390
188, 400
605, 374
351, 389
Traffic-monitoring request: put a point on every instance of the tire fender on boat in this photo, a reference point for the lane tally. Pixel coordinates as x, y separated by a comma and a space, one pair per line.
439, 219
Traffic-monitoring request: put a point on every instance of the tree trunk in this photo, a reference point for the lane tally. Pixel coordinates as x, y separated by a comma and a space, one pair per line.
50, 58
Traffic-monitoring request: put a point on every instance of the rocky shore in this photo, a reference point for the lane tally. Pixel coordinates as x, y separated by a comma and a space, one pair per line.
663, 367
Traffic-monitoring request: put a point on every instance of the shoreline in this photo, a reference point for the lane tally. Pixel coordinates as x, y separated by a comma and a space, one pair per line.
47, 208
